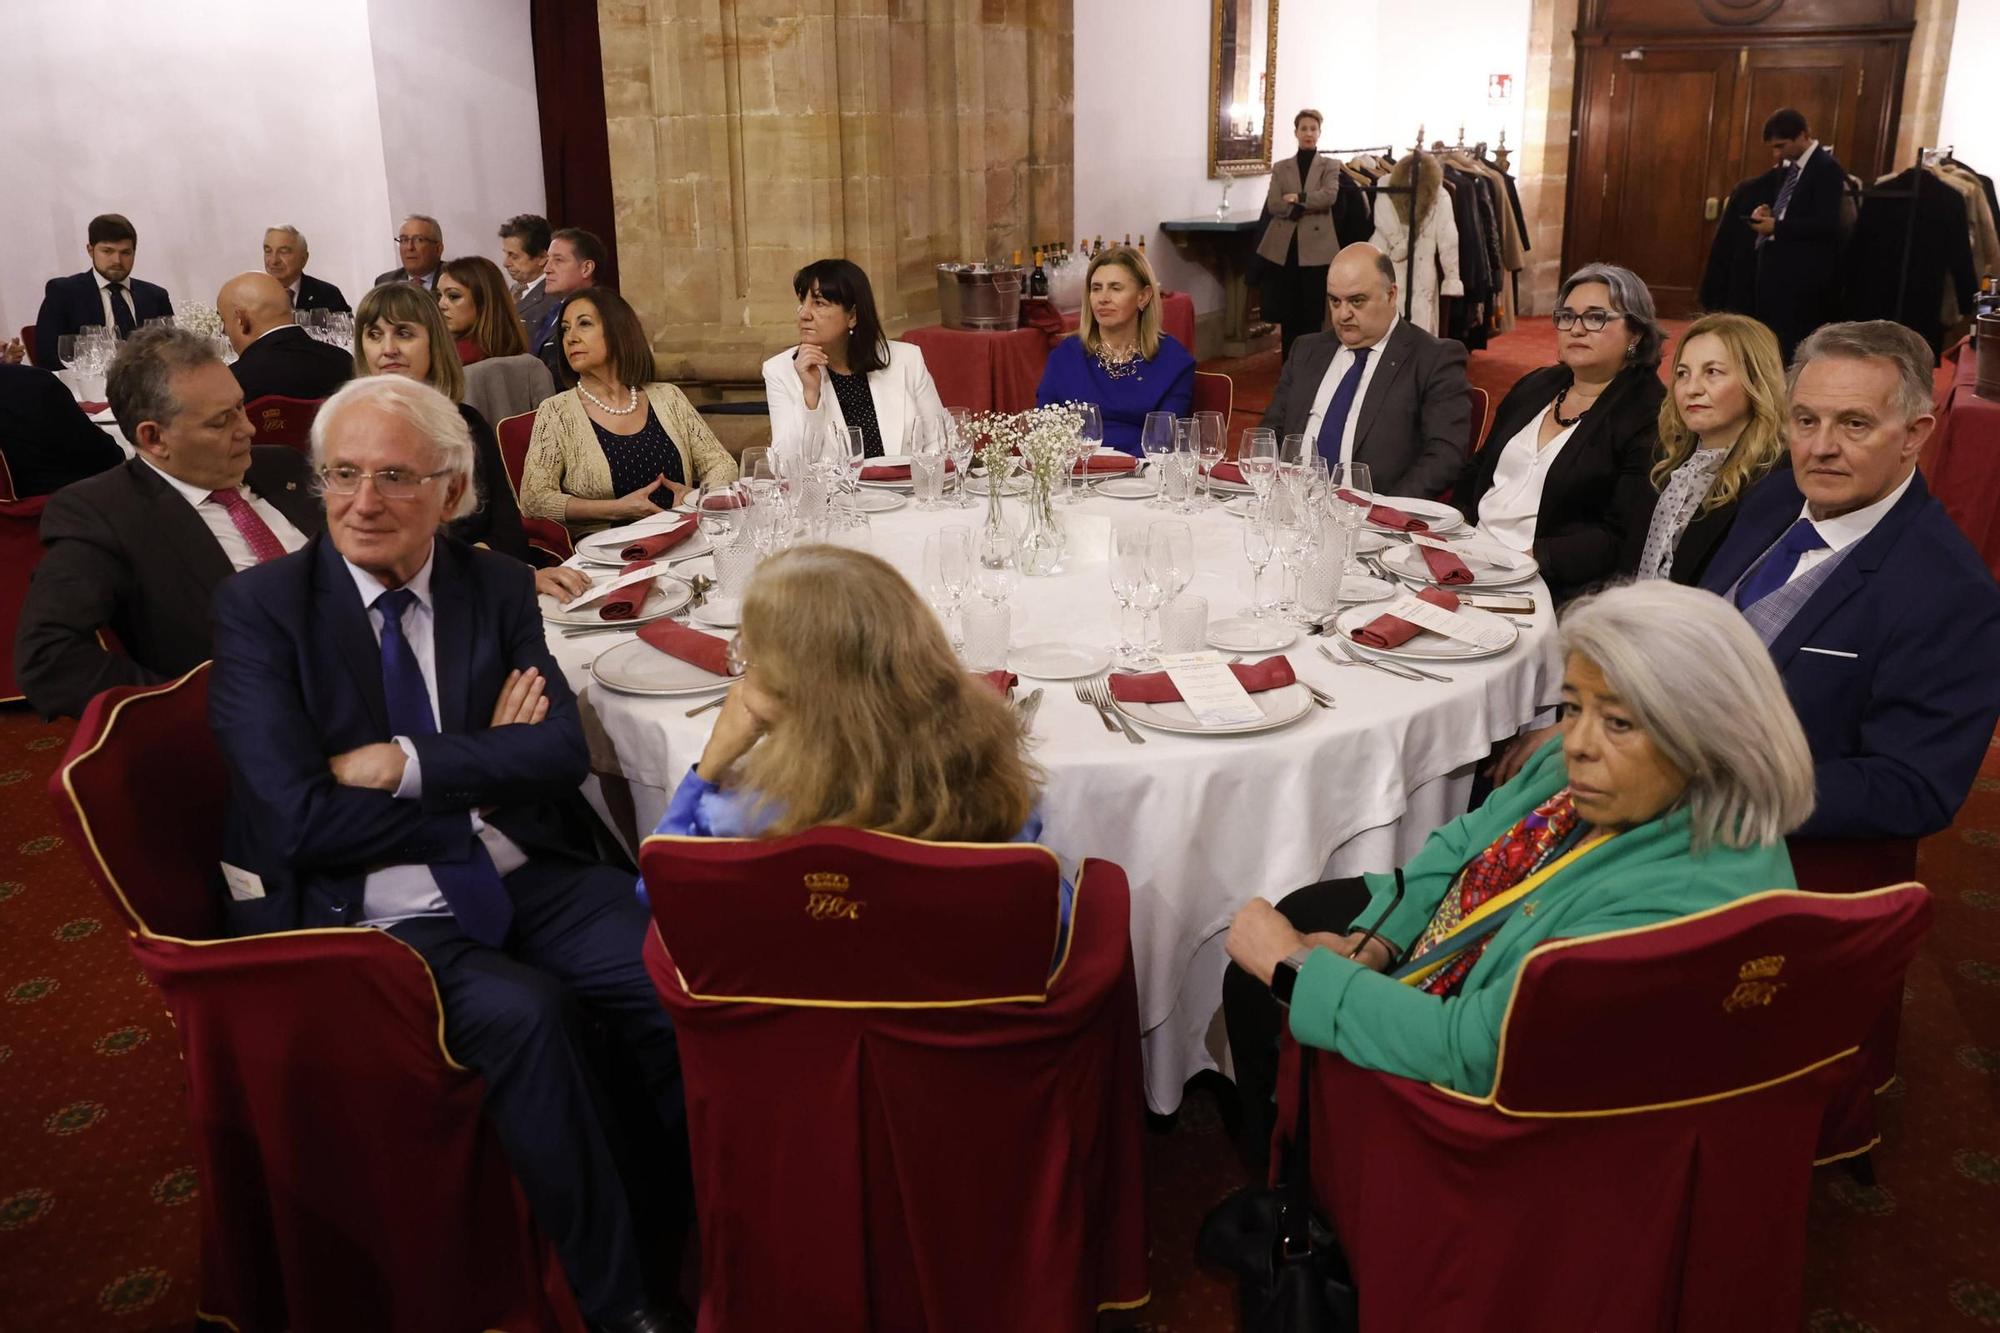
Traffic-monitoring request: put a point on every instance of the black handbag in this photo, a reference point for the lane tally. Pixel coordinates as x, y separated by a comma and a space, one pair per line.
1291, 1275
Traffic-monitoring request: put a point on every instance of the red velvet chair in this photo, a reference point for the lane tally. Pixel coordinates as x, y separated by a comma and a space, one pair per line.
282, 420
1643, 1161
544, 535
1214, 392
348, 1178
1480, 401
20, 552
899, 1118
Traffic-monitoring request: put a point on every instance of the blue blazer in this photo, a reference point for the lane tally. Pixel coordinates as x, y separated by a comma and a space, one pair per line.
298, 678
70, 303
1164, 384
1891, 664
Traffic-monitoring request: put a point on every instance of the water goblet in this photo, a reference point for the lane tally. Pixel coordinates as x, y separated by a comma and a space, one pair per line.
1208, 452
1259, 542
1090, 438
1133, 584
1156, 441
947, 569
995, 563
1351, 493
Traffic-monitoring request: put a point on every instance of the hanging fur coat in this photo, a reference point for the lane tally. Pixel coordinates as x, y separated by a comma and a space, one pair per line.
1426, 252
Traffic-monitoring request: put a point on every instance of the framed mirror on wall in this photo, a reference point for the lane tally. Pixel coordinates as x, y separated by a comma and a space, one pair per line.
1243, 56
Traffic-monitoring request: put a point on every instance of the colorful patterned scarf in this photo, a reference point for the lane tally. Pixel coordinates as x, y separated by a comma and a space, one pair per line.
1514, 855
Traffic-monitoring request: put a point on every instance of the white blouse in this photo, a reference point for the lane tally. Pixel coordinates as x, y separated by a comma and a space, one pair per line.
1507, 512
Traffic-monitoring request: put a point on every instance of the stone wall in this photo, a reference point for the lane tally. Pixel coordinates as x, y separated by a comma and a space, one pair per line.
749, 137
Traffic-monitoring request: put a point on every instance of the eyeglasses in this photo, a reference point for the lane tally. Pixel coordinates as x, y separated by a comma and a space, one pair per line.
1593, 319
417, 240
391, 483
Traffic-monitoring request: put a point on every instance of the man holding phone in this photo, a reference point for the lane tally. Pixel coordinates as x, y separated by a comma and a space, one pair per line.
1798, 233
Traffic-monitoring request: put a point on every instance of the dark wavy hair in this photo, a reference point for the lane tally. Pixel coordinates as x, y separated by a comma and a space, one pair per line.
496, 324
843, 282
625, 343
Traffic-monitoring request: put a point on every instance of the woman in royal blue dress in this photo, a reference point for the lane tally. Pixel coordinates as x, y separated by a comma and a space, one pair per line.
853, 710
1118, 358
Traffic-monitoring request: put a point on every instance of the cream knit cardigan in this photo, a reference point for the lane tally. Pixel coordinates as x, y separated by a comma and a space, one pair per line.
565, 459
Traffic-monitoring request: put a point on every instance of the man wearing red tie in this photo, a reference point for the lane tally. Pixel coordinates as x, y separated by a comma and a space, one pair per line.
137, 550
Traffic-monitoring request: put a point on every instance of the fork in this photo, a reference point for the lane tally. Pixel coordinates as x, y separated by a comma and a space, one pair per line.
1083, 697
1100, 694
1417, 672
1351, 660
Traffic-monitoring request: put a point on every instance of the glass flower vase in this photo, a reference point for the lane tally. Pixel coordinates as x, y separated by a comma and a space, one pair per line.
1042, 537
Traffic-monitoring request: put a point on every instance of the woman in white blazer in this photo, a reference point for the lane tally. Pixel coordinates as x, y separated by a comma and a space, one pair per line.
844, 372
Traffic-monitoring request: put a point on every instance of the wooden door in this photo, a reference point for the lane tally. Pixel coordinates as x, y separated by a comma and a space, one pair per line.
1654, 148
1843, 89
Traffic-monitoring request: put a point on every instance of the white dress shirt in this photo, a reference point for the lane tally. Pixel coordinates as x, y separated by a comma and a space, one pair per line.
220, 526
521, 290
1849, 528
397, 893
1331, 381
1507, 512
104, 298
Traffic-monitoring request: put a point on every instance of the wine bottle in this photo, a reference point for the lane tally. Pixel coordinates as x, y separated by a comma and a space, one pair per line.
1038, 281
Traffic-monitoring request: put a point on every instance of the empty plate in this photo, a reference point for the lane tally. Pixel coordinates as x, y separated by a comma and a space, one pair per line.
1059, 661
877, 500
719, 613
1363, 588
1128, 488
1246, 634
637, 667
667, 595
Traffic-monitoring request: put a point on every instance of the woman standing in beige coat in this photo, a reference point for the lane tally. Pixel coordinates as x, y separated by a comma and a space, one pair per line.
1314, 210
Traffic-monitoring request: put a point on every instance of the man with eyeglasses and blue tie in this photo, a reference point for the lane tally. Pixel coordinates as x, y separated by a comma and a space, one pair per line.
405, 755
106, 293
1798, 233
1882, 618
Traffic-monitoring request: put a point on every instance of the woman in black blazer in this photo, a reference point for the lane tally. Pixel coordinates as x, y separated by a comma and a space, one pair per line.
1564, 473
1721, 429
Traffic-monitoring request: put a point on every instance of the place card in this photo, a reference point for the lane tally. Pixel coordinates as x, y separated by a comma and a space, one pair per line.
597, 591
645, 527
1210, 689
1489, 553
1451, 624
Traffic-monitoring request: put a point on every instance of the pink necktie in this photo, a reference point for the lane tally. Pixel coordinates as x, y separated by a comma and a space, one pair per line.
264, 543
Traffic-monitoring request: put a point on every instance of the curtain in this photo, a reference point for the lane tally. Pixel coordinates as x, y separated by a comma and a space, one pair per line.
576, 148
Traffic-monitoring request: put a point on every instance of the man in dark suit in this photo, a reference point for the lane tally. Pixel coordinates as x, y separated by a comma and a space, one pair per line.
273, 354
46, 439
139, 549
448, 813
1881, 617
524, 253
420, 245
106, 293
1376, 389
575, 256
285, 257
1798, 232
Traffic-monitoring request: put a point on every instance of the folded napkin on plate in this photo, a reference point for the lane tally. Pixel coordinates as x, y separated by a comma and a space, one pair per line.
1157, 687
1394, 631
1001, 680
1385, 516
1228, 472
92, 409
649, 548
894, 471
690, 645
1110, 463
1445, 566
625, 603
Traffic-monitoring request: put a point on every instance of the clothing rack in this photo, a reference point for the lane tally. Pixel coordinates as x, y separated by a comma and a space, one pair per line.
1925, 157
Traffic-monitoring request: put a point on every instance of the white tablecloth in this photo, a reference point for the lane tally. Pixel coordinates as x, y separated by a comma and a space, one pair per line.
1200, 824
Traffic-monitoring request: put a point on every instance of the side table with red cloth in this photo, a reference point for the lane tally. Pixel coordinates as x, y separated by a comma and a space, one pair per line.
1644, 1159
1961, 461
899, 1117
999, 372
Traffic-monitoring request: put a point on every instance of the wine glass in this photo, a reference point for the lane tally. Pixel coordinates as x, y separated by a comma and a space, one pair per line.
928, 455
1351, 493
66, 348
1293, 536
1132, 584
1170, 557
1259, 541
1091, 439
1259, 461
947, 568
995, 572
1209, 431
958, 449
1156, 441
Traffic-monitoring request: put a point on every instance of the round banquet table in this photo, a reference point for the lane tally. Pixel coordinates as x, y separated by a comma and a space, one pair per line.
1199, 824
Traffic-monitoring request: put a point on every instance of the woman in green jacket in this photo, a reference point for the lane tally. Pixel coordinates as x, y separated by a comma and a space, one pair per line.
1678, 769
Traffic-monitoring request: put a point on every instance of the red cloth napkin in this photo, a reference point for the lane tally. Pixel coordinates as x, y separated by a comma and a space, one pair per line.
1157, 687
1445, 566
625, 603
1393, 631
1228, 472
895, 471
1001, 680
92, 409
650, 548
690, 645
1384, 515
1110, 463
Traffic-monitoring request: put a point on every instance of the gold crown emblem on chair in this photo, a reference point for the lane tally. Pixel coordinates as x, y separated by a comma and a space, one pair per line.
1754, 987
1761, 969
826, 881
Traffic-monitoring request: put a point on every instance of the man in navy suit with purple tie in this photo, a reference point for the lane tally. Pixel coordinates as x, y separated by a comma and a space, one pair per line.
405, 755
106, 293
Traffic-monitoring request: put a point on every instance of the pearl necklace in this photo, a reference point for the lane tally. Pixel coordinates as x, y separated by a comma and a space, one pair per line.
631, 403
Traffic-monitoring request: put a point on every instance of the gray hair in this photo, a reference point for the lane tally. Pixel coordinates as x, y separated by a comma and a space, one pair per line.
420, 405
1874, 340
436, 226
292, 231
1630, 298
139, 386
1701, 683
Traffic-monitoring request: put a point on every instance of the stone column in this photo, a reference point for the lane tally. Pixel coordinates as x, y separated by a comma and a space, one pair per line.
749, 137
1549, 95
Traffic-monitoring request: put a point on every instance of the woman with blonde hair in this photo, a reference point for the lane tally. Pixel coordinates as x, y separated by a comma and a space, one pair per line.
853, 710
1118, 358
1721, 429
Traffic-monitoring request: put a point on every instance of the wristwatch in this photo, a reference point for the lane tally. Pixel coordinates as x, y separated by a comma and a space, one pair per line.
1286, 975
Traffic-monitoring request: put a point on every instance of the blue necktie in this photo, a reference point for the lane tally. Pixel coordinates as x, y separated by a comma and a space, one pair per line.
545, 328
121, 309
1776, 569
1334, 424
471, 887
1785, 188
